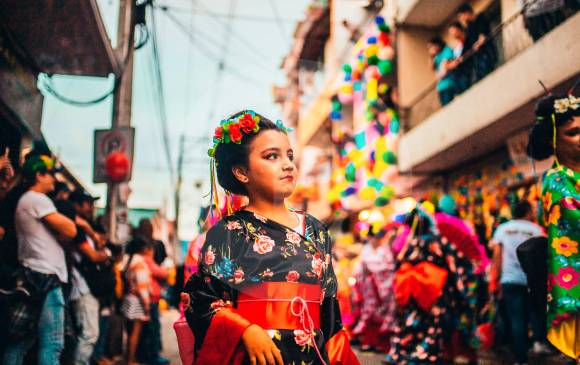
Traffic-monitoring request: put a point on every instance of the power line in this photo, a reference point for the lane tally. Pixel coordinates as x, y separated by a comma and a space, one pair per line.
46, 85
221, 64
161, 98
188, 72
258, 58
277, 18
247, 44
209, 13
209, 54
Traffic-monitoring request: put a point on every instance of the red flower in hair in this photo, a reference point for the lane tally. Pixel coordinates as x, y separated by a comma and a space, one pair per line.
235, 133
248, 123
218, 133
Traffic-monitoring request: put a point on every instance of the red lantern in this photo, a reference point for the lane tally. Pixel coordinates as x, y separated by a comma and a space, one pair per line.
117, 166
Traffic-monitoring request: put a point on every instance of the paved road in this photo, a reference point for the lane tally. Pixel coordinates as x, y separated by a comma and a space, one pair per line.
171, 352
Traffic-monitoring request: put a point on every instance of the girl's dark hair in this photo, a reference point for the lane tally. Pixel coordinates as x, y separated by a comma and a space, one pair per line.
423, 225
438, 41
542, 133
230, 155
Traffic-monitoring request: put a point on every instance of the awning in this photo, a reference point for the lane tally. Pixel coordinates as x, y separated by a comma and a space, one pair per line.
60, 36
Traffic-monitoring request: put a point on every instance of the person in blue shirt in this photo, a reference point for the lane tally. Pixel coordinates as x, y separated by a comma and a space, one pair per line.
442, 56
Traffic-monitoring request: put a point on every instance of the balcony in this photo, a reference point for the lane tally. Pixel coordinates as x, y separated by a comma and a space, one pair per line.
479, 120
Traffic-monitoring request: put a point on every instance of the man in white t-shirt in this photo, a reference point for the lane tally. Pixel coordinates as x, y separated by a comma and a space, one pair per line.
514, 284
39, 227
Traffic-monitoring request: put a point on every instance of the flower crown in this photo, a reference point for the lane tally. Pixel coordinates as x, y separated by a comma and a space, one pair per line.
233, 130
566, 104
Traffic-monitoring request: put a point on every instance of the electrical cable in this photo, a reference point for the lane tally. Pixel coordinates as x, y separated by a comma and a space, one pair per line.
209, 13
222, 62
247, 44
208, 53
257, 57
278, 19
46, 79
161, 97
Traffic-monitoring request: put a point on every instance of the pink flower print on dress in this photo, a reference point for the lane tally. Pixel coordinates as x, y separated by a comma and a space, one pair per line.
263, 244
238, 276
293, 276
302, 338
233, 225
260, 218
293, 238
317, 265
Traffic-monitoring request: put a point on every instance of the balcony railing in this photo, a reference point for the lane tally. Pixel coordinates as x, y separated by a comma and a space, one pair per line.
509, 38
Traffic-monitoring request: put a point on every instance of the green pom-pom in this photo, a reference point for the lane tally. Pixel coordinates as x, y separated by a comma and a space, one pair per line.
347, 68
384, 28
373, 60
390, 157
387, 192
369, 115
381, 202
350, 172
385, 67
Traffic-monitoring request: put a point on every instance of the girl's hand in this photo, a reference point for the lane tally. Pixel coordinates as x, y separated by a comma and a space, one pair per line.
260, 347
185, 301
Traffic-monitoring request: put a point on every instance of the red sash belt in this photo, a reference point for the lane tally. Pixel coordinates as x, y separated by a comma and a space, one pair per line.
270, 305
423, 282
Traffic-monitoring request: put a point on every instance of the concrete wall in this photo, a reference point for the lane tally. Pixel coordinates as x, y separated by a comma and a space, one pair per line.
415, 73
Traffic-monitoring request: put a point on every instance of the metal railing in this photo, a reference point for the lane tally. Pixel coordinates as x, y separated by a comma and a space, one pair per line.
509, 38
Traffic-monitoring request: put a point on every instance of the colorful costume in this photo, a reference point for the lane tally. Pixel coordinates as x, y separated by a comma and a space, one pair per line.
433, 285
256, 271
561, 217
375, 285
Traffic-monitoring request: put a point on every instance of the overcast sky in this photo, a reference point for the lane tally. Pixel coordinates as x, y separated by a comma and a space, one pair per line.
197, 96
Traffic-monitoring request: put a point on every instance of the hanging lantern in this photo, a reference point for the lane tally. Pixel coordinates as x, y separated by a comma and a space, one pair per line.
117, 166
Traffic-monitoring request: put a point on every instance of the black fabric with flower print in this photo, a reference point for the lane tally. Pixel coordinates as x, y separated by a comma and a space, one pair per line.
246, 249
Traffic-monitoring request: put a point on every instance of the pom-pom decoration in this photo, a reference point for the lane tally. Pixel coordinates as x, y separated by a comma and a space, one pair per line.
367, 165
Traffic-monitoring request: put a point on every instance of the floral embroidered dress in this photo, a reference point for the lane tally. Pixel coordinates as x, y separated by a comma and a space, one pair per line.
561, 217
245, 251
374, 282
433, 283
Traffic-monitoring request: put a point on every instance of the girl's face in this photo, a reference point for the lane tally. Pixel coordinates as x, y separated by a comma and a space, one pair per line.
271, 172
568, 143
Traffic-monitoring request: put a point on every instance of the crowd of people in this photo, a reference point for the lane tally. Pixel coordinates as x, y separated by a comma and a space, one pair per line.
424, 292
471, 57
65, 290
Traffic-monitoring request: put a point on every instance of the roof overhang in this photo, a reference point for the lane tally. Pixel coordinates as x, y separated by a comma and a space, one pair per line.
60, 36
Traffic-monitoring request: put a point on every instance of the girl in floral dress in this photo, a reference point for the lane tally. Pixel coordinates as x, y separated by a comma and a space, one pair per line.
557, 133
432, 290
265, 291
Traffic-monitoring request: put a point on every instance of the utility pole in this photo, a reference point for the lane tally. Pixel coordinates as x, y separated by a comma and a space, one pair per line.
122, 97
178, 184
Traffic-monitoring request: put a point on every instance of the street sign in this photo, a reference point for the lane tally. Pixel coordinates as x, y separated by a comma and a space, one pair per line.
108, 141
